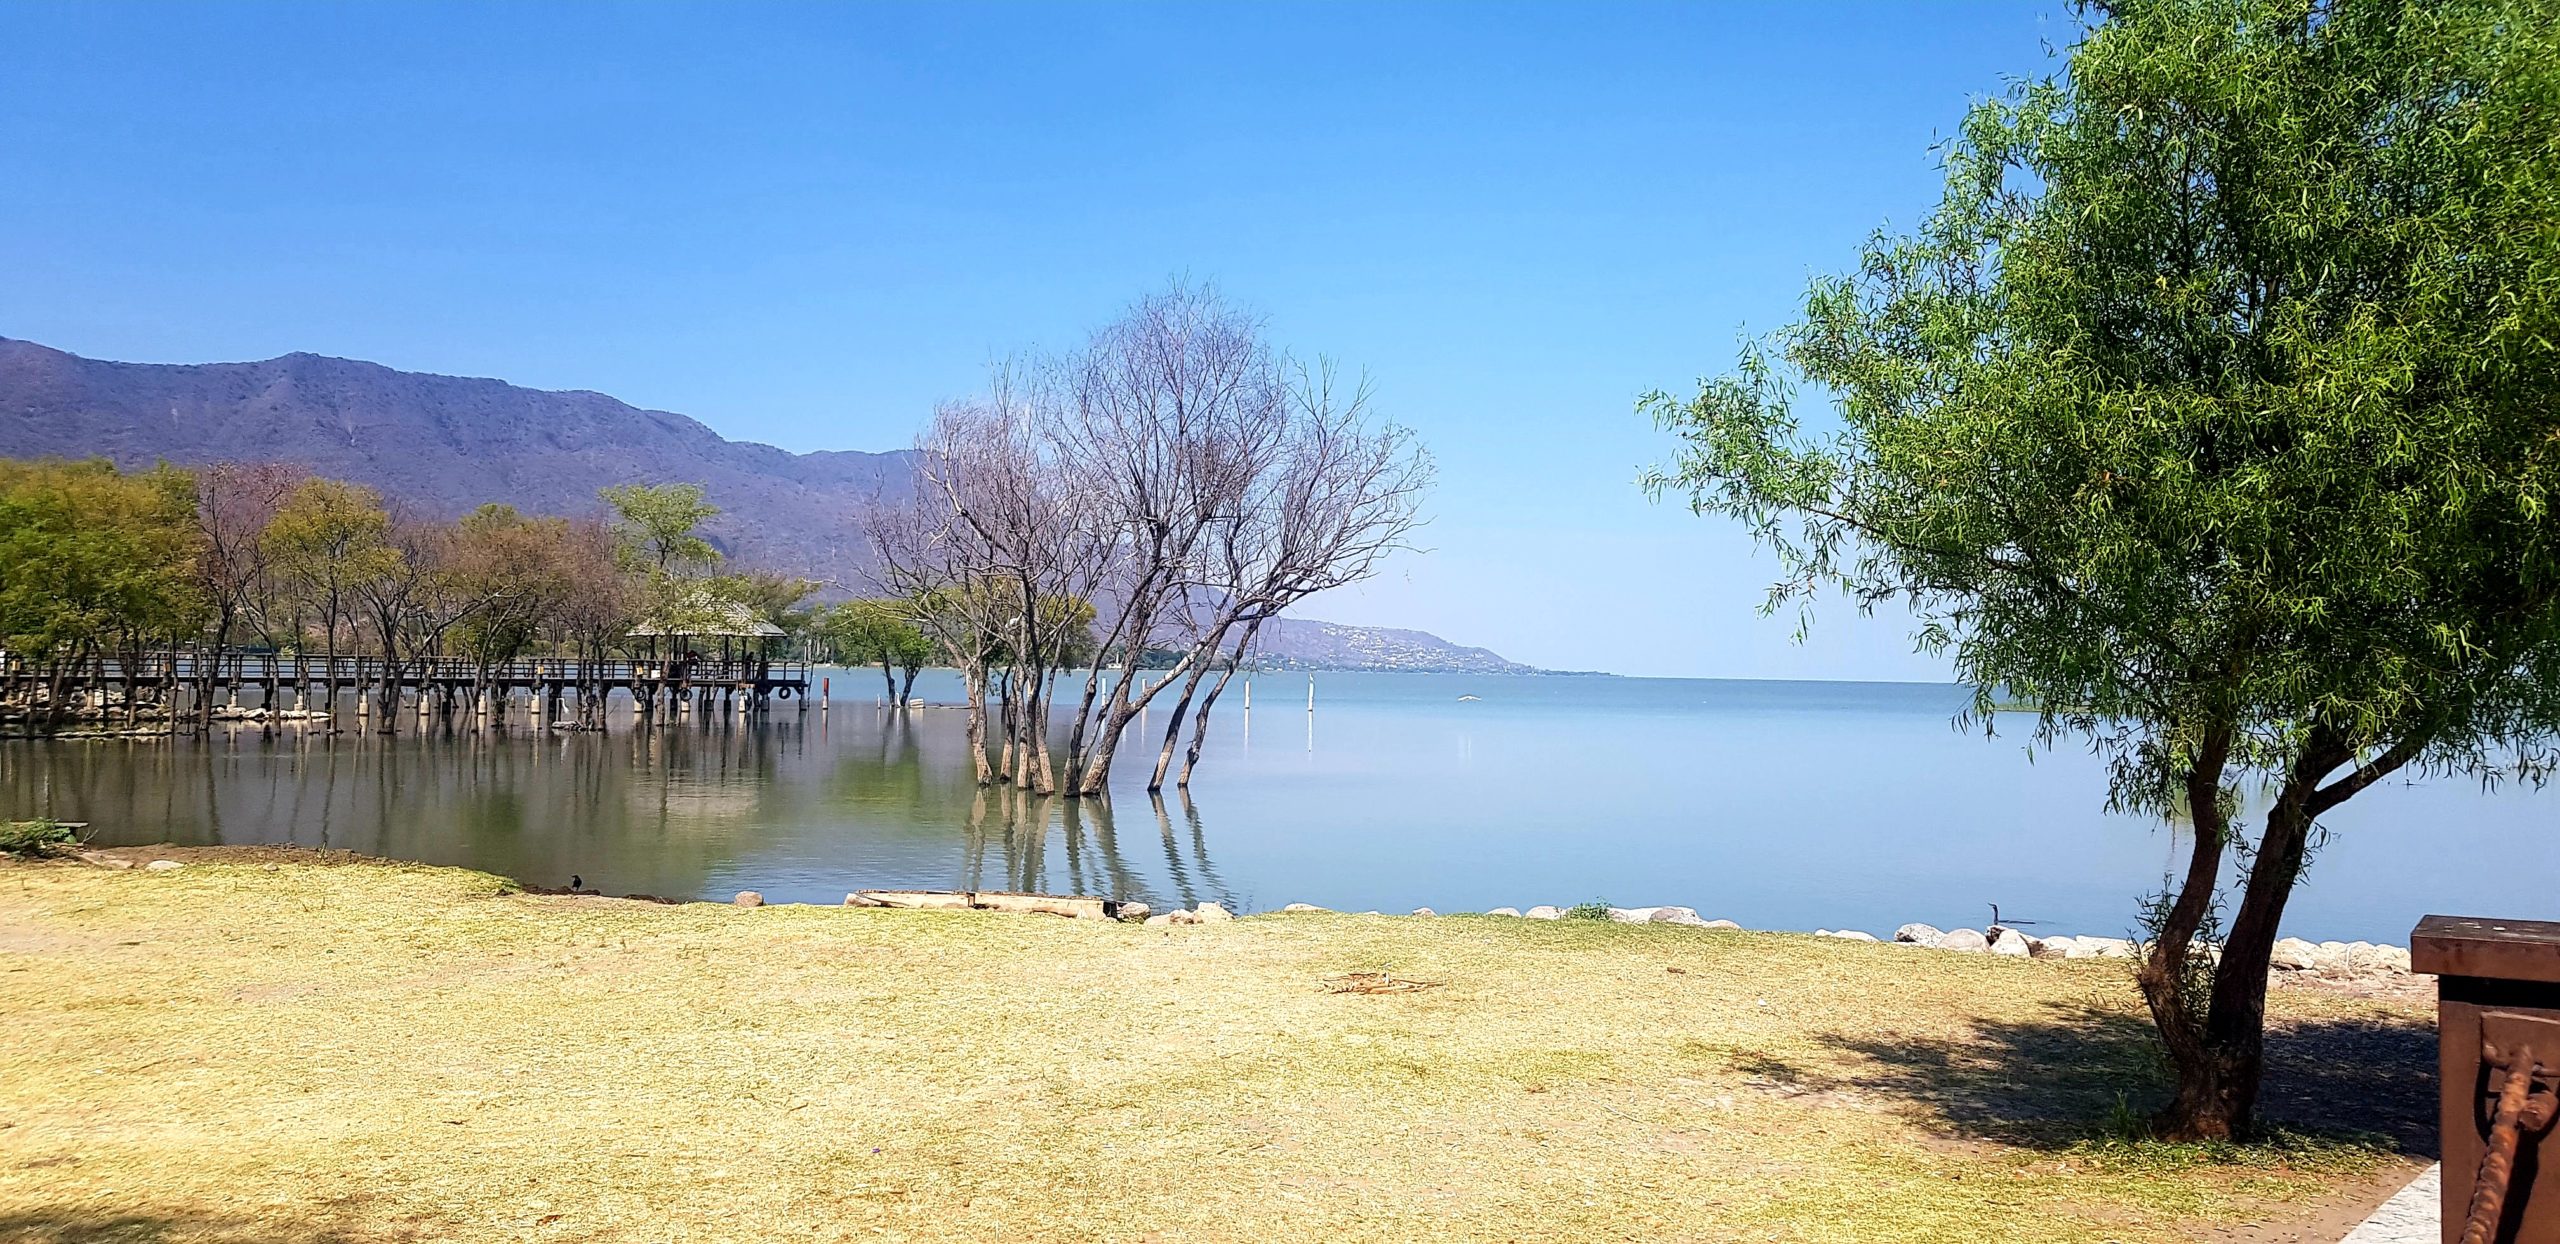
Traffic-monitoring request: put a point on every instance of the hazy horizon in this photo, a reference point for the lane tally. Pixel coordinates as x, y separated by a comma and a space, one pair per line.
804, 226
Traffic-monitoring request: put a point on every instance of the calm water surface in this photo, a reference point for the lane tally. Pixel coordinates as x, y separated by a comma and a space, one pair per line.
1781, 805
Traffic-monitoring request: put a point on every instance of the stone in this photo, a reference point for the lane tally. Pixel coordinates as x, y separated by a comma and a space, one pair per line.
1423, 911
1920, 934
164, 866
1632, 915
1504, 911
1133, 911
2106, 947
1211, 913
2292, 954
104, 860
1676, 915
748, 898
1305, 907
1853, 935
1164, 918
1720, 924
2055, 948
1967, 940
1543, 911
2012, 943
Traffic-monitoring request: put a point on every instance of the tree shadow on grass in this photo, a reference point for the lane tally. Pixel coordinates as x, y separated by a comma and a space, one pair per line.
69, 1224
2066, 1077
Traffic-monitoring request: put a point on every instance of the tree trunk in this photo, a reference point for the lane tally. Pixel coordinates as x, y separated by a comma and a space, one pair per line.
2164, 976
974, 685
2220, 1056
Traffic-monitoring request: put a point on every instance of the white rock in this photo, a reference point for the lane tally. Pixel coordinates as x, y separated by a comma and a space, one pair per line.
1676, 915
1305, 907
1544, 911
748, 898
1211, 913
1720, 924
1920, 934
1632, 915
2103, 948
1504, 911
1164, 918
1134, 910
2055, 948
164, 866
2292, 954
1853, 935
1969, 941
2012, 943
1423, 911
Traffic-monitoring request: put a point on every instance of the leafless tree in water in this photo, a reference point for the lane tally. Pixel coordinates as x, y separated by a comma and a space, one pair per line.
1169, 488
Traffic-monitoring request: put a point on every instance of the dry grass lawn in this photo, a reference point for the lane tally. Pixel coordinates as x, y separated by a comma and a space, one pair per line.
357, 1051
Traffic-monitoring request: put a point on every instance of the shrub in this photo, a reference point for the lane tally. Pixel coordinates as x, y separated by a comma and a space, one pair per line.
29, 838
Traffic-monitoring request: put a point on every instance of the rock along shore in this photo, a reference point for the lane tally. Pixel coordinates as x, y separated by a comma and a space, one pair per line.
2291, 955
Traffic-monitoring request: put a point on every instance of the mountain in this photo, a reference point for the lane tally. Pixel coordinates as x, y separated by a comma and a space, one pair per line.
445, 445
1304, 643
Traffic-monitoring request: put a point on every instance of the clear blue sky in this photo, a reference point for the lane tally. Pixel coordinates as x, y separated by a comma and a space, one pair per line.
803, 225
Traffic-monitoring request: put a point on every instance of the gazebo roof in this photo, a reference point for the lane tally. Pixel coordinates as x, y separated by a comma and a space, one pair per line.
700, 614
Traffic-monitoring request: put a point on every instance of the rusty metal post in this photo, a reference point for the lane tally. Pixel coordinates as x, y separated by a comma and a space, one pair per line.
2498, 1056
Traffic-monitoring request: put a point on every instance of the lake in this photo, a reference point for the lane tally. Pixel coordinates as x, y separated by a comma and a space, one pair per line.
1790, 805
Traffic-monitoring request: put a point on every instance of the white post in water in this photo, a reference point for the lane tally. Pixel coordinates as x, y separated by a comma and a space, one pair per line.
1311, 692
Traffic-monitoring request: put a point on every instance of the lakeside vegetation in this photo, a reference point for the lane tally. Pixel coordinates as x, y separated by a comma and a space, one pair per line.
100, 565
277, 1046
2211, 413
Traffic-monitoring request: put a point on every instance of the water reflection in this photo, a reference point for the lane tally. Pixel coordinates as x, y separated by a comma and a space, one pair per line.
1778, 805
804, 807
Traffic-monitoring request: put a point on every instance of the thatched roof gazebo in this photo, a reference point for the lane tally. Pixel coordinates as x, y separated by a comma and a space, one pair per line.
701, 615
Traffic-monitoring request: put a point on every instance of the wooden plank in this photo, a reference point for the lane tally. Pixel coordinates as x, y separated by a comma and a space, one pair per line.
2478, 946
1073, 907
913, 900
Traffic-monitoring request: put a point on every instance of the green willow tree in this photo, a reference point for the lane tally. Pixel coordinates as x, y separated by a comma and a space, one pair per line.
2216, 411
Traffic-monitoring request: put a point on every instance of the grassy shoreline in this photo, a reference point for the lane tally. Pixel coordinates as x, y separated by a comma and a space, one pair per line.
266, 1045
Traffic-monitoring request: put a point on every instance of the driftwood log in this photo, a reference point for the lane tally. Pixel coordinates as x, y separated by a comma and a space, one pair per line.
1076, 907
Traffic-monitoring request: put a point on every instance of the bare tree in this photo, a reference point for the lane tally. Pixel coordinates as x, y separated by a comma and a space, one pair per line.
1167, 489
235, 503
1342, 496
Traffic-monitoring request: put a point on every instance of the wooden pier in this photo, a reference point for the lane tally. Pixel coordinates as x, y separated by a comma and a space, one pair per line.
185, 687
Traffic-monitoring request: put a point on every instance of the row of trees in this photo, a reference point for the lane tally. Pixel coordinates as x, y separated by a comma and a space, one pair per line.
97, 564
1171, 486
2216, 410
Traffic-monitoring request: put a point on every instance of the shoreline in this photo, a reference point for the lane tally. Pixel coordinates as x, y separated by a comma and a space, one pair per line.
2294, 958
367, 1050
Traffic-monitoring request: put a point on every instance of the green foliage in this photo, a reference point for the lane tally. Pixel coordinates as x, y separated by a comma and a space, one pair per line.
2215, 412
660, 522
2220, 388
33, 838
328, 537
1596, 909
876, 632
90, 556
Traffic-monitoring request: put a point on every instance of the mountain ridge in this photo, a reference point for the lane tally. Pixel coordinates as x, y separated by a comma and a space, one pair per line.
447, 444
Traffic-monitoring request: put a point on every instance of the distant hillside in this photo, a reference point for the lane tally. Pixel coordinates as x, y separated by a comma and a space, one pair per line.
1309, 644
447, 444
443, 443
